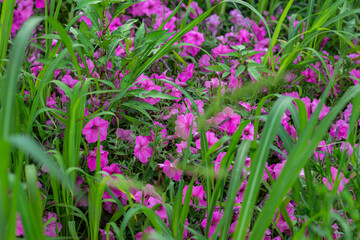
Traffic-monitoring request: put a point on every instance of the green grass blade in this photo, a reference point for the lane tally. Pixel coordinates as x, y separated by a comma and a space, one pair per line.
296, 161
258, 165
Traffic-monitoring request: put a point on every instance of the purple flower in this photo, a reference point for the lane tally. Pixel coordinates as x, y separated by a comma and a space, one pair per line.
50, 228
214, 222
142, 149
355, 76
341, 178
183, 125
92, 129
170, 169
228, 120
91, 159
339, 130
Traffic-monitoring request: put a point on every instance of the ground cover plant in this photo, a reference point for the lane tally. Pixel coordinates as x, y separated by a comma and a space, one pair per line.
161, 119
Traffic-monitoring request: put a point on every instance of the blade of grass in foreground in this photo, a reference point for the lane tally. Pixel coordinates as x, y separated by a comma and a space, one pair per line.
258, 165
7, 113
5, 27
235, 183
302, 151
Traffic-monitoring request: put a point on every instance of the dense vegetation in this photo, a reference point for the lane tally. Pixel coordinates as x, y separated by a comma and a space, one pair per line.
162, 119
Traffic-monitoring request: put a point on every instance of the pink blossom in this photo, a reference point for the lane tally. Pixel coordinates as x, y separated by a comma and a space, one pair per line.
180, 147
146, 234
170, 169
248, 132
347, 113
187, 73
198, 193
241, 192
204, 61
281, 222
214, 222
103, 235
259, 31
195, 38
310, 75
339, 130
324, 111
221, 49
183, 125
211, 139
92, 129
238, 20
347, 147
124, 134
246, 105
322, 150
197, 10
161, 212
228, 120
19, 226
355, 76
112, 169
217, 162
115, 24
341, 178
91, 159
212, 23
142, 149
148, 191
50, 228
40, 3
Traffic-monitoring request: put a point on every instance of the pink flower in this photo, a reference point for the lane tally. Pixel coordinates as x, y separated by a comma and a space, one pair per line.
170, 169
145, 234
240, 196
214, 222
324, 111
40, 3
195, 38
187, 73
92, 129
310, 75
322, 150
341, 178
355, 76
180, 147
19, 226
281, 222
50, 228
142, 149
339, 130
212, 23
183, 125
228, 120
124, 134
103, 234
112, 169
248, 132
346, 147
211, 139
217, 162
91, 159
204, 61
221, 49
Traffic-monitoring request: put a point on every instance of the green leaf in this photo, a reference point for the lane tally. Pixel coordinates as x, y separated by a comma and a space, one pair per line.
239, 71
215, 68
253, 186
153, 93
139, 36
254, 73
